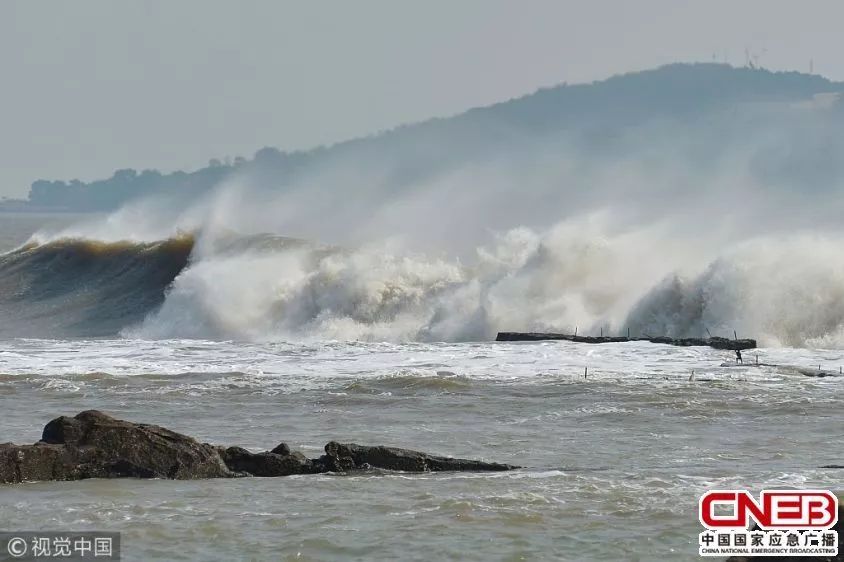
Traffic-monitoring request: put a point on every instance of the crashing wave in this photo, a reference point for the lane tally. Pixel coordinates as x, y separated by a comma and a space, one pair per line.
86, 288
783, 291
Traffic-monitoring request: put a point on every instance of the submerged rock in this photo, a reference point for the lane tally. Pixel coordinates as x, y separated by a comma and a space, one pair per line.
95, 445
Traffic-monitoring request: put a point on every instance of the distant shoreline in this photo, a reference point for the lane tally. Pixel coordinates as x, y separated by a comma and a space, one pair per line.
25, 207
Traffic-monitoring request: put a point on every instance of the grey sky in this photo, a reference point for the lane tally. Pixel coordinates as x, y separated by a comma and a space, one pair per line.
91, 86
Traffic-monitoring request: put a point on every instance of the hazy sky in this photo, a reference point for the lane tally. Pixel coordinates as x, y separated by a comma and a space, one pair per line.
91, 86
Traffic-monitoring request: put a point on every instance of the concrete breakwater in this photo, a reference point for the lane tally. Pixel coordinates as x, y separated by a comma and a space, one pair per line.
714, 342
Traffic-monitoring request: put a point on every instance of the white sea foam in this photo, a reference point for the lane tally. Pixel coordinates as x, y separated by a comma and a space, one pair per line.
785, 291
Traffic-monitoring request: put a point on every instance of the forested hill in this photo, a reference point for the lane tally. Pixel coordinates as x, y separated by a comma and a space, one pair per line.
592, 118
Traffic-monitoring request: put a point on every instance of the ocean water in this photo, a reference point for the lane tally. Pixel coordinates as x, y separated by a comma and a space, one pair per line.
614, 462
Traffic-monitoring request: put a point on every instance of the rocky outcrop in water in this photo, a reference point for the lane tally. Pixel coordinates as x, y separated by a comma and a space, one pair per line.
278, 462
95, 445
342, 457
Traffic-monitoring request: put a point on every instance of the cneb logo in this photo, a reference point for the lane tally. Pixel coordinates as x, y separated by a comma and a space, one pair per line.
777, 509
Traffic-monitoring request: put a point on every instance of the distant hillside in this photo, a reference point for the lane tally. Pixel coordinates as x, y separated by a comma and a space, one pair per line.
593, 118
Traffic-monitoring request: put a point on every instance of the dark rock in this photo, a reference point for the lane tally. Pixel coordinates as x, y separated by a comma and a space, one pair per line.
42, 461
63, 430
281, 449
267, 463
342, 457
95, 445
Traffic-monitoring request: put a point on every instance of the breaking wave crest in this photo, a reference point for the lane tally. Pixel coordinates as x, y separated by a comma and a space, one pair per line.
786, 291
85, 288
523, 281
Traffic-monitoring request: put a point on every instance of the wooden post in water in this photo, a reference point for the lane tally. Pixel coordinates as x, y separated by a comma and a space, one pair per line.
575, 331
585, 371
735, 335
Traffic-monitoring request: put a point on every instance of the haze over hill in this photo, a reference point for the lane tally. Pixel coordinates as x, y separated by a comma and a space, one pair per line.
686, 199
589, 120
